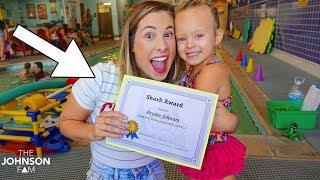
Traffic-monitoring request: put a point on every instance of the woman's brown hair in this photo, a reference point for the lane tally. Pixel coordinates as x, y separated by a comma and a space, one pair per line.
127, 60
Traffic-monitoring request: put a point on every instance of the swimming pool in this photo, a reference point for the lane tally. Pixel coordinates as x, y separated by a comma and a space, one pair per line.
9, 78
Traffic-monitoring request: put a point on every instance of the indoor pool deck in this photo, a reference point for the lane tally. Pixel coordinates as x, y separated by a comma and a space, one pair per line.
275, 86
88, 51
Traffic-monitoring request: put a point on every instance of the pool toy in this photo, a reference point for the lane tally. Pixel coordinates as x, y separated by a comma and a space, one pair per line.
246, 29
258, 75
239, 55
35, 101
293, 132
35, 122
236, 34
250, 66
261, 40
244, 62
28, 124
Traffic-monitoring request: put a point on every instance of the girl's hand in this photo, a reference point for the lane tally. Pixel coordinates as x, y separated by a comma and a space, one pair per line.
109, 124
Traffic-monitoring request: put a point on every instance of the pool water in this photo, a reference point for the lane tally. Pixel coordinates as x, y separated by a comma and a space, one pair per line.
9, 78
246, 125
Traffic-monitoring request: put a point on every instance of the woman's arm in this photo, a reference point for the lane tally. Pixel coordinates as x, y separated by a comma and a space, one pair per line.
73, 123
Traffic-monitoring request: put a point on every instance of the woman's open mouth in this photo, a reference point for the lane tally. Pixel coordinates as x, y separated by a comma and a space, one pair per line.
159, 64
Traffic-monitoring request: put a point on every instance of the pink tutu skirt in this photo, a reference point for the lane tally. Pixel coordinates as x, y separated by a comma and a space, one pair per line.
221, 160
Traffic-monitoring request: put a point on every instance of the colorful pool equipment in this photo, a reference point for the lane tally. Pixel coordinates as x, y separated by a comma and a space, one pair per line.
25, 118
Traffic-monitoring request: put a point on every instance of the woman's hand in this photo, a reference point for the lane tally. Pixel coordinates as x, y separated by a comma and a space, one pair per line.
224, 120
109, 124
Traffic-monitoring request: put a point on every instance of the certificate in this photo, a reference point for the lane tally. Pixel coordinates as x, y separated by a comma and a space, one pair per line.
166, 121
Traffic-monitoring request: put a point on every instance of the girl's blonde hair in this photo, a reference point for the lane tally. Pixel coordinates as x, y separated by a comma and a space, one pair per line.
127, 61
186, 4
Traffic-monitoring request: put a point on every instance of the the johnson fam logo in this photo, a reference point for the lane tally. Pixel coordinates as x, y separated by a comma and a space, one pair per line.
26, 162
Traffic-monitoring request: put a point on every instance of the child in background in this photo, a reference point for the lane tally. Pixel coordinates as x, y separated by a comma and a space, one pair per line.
197, 35
44, 34
25, 73
74, 34
62, 38
54, 37
8, 51
2, 40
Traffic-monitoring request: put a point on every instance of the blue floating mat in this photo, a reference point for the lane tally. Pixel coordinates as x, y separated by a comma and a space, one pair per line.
13, 124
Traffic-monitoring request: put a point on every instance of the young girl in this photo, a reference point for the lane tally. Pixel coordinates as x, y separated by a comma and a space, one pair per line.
197, 35
148, 49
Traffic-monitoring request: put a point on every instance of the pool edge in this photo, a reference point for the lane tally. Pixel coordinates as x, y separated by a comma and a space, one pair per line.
271, 143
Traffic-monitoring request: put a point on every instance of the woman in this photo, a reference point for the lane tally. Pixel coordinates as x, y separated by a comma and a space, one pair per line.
38, 72
147, 35
148, 49
87, 21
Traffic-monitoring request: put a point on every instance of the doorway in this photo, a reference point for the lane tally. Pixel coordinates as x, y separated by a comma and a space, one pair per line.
105, 20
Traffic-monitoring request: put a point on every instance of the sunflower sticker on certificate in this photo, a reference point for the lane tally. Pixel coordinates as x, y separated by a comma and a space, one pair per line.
166, 121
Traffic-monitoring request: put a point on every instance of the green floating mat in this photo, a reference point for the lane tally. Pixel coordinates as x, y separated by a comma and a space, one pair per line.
246, 29
271, 42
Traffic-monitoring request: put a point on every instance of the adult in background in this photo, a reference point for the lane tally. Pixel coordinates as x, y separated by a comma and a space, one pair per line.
87, 21
38, 72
